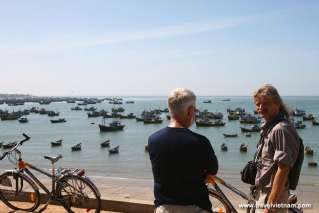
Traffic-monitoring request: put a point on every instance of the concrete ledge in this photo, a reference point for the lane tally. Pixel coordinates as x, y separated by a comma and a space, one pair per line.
127, 206
132, 206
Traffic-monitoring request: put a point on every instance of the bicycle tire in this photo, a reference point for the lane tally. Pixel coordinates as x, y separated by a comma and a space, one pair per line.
218, 204
79, 194
15, 187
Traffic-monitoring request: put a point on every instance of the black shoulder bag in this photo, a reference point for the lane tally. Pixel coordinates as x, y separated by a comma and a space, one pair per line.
248, 174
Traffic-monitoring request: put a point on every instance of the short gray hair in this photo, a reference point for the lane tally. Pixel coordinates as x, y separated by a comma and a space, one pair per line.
180, 99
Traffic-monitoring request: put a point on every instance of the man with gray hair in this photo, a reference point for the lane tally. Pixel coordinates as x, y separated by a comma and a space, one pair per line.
181, 160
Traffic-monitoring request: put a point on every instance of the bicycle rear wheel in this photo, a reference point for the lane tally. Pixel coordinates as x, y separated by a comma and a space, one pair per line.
79, 194
218, 204
16, 187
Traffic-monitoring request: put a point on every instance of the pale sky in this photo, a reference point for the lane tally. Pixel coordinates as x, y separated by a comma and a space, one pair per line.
146, 47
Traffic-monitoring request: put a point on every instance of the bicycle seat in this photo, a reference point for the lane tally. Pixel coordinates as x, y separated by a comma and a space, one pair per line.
53, 159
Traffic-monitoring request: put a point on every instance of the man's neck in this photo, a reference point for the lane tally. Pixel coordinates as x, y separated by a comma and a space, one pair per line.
176, 124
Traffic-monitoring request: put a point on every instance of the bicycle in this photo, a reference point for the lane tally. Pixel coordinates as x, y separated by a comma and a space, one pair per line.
221, 204
70, 187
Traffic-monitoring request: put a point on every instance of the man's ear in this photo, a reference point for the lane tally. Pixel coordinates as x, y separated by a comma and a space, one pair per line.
190, 110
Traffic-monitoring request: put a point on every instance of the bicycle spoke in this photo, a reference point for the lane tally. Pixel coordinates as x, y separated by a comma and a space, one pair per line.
78, 194
15, 187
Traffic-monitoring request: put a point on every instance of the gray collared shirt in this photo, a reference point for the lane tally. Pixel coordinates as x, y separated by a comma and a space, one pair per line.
281, 146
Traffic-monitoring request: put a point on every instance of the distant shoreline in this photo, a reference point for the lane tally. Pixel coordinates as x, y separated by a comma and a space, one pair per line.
9, 96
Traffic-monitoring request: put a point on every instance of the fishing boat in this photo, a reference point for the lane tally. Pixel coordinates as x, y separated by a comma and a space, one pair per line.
308, 150
299, 125
207, 101
230, 135
233, 116
243, 147
209, 123
114, 150
52, 113
56, 143
9, 116
105, 143
23, 120
128, 116
153, 120
254, 128
249, 119
113, 126
312, 164
315, 123
139, 119
308, 117
224, 147
77, 147
77, 108
60, 120
299, 112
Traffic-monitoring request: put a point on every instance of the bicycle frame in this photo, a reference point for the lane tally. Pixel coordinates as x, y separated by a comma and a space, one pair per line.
23, 168
218, 180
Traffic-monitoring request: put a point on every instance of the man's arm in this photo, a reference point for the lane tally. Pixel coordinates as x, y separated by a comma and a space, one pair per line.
279, 183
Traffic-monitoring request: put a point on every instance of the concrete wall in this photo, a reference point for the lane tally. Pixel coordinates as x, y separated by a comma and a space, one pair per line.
132, 206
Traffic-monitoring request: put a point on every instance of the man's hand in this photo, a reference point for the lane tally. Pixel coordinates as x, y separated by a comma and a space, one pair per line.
210, 179
267, 211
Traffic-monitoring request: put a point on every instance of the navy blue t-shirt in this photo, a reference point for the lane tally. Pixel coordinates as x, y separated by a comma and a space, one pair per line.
181, 159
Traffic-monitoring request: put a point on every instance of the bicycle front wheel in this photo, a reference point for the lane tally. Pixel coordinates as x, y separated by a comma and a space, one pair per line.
79, 194
218, 204
18, 192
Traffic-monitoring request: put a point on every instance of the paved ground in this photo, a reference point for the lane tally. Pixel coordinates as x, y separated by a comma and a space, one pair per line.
50, 209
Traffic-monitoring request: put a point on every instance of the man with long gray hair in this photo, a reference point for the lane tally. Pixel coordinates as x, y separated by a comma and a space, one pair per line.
279, 145
181, 160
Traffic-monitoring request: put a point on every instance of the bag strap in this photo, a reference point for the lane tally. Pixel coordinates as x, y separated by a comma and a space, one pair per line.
259, 148
262, 137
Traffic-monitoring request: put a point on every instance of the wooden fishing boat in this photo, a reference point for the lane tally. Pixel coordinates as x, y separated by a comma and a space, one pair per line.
254, 128
209, 123
224, 147
299, 125
230, 135
60, 120
77, 147
113, 126
23, 120
154, 120
105, 143
312, 164
315, 123
114, 150
243, 147
308, 150
56, 143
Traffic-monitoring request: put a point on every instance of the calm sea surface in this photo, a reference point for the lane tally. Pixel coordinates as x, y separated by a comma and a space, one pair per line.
132, 161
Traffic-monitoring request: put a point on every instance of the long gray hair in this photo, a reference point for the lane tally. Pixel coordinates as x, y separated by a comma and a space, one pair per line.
270, 92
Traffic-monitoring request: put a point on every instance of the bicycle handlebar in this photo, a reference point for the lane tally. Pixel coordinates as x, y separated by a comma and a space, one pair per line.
26, 138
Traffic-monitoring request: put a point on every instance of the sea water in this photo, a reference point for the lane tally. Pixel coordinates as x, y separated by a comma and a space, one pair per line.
133, 162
